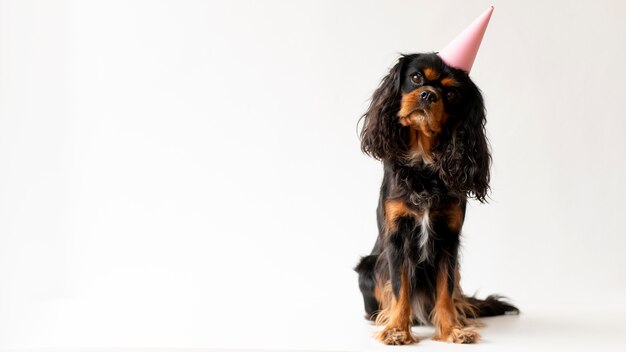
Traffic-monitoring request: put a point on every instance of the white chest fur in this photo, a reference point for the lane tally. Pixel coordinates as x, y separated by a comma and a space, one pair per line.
426, 234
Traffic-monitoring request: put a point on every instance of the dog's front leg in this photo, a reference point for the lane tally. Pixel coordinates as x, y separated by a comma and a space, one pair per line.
448, 326
397, 315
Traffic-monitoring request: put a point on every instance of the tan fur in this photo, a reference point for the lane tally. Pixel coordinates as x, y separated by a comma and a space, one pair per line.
396, 315
425, 124
431, 74
393, 210
444, 314
384, 314
378, 292
449, 82
463, 335
466, 312
428, 121
449, 317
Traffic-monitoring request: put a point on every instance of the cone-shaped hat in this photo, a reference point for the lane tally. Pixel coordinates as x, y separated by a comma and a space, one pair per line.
461, 52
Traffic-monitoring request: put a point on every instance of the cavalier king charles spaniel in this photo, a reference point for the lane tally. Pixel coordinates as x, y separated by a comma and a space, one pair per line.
426, 123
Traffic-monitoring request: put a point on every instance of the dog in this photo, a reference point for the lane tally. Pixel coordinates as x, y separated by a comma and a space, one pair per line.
426, 123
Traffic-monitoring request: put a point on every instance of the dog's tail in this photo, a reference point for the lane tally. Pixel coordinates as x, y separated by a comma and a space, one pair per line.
491, 306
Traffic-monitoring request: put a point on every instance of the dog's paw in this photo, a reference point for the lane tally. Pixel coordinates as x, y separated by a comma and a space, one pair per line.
395, 336
464, 335
460, 335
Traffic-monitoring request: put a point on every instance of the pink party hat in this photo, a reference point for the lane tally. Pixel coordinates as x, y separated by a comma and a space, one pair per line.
461, 52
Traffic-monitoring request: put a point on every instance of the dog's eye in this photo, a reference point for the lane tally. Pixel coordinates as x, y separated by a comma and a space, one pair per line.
417, 78
451, 95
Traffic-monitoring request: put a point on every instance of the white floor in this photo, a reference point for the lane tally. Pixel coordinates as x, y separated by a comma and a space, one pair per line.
536, 329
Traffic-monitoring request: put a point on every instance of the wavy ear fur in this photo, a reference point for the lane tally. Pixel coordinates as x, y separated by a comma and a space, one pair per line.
382, 137
464, 160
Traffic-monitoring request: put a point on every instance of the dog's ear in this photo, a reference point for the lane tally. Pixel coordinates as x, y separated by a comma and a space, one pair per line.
382, 136
465, 159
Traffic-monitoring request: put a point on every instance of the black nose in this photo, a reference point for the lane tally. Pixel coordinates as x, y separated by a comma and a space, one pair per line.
428, 96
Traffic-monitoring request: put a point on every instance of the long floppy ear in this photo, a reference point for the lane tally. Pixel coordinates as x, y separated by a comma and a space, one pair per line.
465, 159
382, 137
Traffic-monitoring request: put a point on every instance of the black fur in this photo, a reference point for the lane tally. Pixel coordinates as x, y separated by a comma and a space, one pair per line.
492, 306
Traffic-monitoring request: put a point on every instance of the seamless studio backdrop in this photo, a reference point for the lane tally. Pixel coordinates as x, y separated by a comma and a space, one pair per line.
188, 173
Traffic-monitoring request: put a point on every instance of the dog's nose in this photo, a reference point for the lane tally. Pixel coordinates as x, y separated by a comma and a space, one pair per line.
428, 96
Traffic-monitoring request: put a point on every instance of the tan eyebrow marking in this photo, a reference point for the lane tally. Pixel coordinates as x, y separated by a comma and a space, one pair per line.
431, 74
449, 82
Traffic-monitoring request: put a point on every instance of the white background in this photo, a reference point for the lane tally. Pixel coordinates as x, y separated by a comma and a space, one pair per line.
188, 173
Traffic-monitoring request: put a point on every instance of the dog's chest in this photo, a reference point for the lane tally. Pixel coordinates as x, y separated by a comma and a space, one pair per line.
426, 237
422, 230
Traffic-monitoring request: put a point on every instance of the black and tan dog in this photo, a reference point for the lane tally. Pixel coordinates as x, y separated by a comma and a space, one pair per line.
426, 122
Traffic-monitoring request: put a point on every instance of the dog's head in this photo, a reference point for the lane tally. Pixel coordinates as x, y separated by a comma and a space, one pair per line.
426, 112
